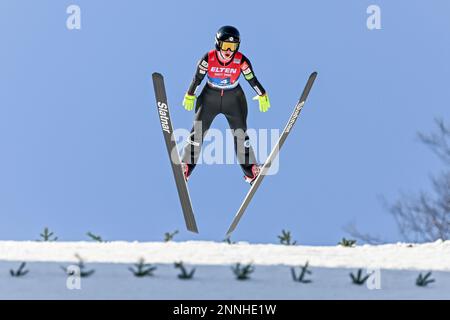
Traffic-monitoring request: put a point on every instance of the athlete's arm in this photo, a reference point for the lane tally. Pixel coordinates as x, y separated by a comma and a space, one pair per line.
202, 69
249, 75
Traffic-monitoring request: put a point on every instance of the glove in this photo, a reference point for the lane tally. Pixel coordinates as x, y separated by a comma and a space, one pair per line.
188, 102
264, 103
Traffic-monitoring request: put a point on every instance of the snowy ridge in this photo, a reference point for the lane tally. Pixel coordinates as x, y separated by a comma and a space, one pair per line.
402, 256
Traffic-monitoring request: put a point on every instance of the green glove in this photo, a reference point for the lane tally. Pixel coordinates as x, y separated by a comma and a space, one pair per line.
188, 102
264, 103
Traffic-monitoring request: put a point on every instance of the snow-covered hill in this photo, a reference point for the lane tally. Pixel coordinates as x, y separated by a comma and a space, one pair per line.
398, 265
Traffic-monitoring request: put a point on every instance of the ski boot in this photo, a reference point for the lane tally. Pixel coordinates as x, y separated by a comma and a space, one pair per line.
186, 171
256, 169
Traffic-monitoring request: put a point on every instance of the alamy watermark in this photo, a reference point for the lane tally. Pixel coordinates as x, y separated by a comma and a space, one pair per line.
73, 21
218, 147
374, 20
374, 280
73, 281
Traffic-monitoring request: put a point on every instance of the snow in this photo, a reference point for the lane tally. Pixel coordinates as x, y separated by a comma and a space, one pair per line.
399, 266
432, 256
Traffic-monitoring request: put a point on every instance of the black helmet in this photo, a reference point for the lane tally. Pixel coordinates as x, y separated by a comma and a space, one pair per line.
228, 34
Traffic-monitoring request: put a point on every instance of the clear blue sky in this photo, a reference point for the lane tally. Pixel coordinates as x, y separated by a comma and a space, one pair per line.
81, 147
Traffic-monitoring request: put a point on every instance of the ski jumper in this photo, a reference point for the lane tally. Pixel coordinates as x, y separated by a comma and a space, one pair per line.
222, 95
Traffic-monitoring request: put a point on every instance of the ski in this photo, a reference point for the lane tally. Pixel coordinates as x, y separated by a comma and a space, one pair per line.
266, 166
167, 129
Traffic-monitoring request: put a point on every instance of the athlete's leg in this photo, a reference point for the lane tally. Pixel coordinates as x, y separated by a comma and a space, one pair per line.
207, 107
234, 107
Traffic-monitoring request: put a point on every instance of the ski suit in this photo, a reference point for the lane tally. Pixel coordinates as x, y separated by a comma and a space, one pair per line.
222, 95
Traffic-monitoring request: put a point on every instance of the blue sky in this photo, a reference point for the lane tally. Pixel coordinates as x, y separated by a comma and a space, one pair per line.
80, 142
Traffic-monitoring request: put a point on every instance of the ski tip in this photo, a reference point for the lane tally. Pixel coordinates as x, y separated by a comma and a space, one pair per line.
156, 75
314, 74
193, 228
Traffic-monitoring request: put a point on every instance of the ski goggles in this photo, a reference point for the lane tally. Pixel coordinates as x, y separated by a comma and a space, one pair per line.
232, 46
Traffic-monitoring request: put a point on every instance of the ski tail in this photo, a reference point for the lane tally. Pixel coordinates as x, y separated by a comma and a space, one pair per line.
167, 130
297, 109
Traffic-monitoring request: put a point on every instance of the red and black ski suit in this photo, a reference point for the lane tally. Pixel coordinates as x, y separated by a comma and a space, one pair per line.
222, 95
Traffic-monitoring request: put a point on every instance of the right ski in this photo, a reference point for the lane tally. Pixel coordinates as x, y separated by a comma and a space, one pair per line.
265, 168
167, 129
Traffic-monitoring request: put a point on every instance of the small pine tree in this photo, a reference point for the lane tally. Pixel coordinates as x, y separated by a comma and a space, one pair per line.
19, 272
243, 272
143, 269
185, 275
228, 240
303, 272
285, 238
82, 266
423, 281
169, 236
359, 279
94, 237
47, 235
347, 243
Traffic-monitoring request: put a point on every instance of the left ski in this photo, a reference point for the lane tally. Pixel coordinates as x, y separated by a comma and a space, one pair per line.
167, 129
297, 109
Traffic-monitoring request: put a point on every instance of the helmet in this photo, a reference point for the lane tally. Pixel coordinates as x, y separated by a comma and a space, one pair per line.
228, 34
